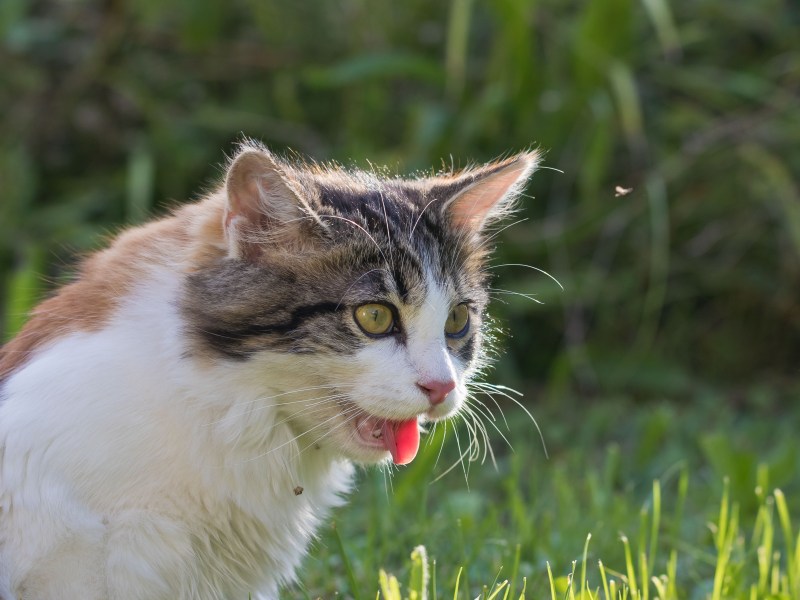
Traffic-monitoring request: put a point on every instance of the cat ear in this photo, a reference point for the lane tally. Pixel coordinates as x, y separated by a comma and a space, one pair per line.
262, 205
483, 195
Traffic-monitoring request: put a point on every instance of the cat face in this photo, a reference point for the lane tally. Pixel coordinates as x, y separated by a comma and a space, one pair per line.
361, 299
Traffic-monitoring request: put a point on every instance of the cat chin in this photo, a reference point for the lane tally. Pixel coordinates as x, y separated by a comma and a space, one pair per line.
353, 447
367, 455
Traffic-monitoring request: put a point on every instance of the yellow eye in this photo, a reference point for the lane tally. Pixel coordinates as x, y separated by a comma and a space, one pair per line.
457, 321
374, 319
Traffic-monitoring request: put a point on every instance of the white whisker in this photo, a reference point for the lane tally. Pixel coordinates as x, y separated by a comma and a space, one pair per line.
260, 399
501, 230
507, 391
351, 413
512, 293
444, 438
487, 445
367, 233
458, 461
338, 304
388, 233
462, 454
422, 212
297, 437
481, 408
484, 391
474, 428
542, 271
309, 403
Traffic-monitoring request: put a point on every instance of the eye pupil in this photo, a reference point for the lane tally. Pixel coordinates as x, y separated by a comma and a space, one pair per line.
458, 321
374, 319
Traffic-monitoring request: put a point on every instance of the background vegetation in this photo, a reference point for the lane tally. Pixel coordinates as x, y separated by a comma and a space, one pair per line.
673, 347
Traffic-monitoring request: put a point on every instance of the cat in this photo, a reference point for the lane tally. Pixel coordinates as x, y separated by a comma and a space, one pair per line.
179, 420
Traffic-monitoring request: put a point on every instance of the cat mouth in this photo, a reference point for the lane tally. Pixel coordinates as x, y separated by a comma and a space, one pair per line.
399, 438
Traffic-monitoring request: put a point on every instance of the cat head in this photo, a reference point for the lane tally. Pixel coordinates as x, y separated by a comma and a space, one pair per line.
358, 300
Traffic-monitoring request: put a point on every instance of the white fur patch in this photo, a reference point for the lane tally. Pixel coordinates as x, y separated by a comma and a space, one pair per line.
128, 471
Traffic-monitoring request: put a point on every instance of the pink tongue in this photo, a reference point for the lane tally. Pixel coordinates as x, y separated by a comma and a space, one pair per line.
401, 439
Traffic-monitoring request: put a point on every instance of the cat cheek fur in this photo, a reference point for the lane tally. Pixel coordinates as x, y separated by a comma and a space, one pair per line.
158, 414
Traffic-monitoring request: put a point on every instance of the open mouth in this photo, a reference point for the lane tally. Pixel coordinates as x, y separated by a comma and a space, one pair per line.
400, 438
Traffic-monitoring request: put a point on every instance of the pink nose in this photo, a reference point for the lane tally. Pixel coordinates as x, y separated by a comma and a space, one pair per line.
436, 391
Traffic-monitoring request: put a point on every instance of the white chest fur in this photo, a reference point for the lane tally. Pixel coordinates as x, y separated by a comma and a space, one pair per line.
128, 471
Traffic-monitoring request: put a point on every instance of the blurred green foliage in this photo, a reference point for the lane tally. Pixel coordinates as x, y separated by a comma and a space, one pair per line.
113, 111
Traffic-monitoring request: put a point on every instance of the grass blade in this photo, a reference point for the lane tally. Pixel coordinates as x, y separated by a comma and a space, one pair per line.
351, 577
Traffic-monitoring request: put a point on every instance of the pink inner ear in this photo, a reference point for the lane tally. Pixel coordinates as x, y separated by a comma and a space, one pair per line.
473, 206
490, 195
244, 199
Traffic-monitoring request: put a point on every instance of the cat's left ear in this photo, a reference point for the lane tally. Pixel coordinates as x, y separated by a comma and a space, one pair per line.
263, 205
480, 196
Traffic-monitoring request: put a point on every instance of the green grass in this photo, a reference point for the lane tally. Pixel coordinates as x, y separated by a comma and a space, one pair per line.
633, 502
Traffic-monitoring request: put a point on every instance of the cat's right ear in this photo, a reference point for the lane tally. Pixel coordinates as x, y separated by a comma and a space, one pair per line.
485, 194
262, 205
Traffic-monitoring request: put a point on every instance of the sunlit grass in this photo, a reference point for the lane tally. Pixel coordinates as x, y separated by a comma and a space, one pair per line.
579, 525
747, 565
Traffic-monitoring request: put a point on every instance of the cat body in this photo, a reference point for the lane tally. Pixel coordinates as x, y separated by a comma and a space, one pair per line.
178, 421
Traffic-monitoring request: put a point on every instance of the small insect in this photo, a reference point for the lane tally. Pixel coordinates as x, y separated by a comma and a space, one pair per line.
621, 191
298, 489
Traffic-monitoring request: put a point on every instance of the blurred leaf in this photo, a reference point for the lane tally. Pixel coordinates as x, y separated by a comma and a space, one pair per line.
728, 460
603, 36
378, 66
599, 154
630, 113
456, 48
656, 294
202, 21
11, 16
24, 290
664, 24
782, 188
141, 175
